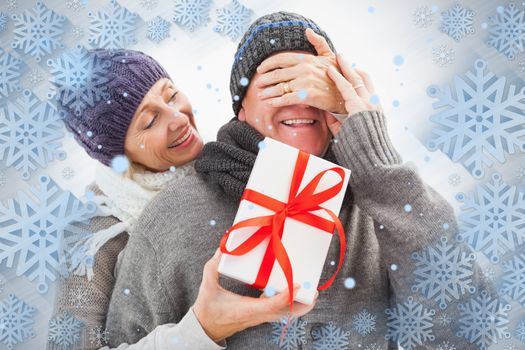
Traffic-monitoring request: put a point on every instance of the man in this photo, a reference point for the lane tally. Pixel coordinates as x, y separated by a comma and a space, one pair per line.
389, 213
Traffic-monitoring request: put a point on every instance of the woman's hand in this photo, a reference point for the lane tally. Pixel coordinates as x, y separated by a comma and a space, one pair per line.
356, 88
222, 313
296, 78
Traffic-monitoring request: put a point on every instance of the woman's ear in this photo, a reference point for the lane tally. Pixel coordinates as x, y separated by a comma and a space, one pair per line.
242, 115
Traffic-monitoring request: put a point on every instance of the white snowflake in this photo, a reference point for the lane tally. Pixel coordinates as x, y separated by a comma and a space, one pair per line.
488, 274
77, 32
330, 337
11, 4
233, 20
98, 336
79, 79
478, 122
507, 31
75, 5
16, 323
158, 29
521, 66
64, 330
364, 322
520, 331
191, 14
38, 31
149, 4
68, 173
520, 173
444, 320
289, 333
9, 73
3, 21
510, 346
409, 324
514, 278
422, 16
457, 22
446, 346
373, 346
443, 272
483, 320
112, 28
454, 179
492, 218
443, 56
38, 230
34, 77
30, 134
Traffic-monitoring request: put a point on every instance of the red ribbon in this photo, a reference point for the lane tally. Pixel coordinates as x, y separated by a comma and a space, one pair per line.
298, 207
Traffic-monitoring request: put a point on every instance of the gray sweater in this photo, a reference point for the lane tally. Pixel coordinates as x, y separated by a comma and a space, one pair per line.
163, 262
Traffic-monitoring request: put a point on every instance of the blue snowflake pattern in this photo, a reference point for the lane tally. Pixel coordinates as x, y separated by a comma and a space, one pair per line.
98, 336
520, 331
40, 229
443, 272
9, 73
191, 14
158, 29
79, 79
514, 278
64, 330
38, 31
233, 20
289, 333
492, 218
16, 321
112, 28
30, 134
457, 22
3, 21
409, 324
482, 120
483, 320
507, 31
330, 337
364, 322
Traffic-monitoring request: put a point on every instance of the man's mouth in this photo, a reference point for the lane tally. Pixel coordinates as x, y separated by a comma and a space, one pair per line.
298, 122
182, 138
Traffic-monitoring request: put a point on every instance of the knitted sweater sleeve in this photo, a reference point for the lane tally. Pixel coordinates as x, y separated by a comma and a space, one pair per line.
140, 313
408, 215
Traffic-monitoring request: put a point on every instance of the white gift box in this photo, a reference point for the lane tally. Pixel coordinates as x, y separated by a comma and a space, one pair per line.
306, 246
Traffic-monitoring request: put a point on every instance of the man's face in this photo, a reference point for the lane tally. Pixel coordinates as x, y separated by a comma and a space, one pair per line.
300, 126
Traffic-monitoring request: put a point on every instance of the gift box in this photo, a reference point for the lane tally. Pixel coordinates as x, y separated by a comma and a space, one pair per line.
285, 222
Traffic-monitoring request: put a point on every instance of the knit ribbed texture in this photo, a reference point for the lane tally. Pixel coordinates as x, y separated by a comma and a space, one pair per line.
88, 301
101, 129
279, 31
164, 258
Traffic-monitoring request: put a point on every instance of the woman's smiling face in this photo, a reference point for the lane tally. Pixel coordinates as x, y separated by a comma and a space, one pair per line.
162, 132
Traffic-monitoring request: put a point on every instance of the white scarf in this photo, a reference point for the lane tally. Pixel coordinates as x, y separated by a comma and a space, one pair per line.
124, 199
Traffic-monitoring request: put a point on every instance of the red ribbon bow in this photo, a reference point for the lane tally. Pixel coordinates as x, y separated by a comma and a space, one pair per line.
298, 207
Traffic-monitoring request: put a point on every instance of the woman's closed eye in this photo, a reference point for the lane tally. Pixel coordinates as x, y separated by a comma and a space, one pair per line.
152, 122
173, 97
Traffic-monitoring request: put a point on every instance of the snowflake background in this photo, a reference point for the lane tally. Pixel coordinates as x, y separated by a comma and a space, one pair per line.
195, 50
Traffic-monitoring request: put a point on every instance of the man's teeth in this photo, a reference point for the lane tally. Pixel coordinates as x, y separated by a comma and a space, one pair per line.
182, 139
298, 121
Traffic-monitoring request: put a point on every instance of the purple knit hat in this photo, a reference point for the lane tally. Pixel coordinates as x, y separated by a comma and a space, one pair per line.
117, 81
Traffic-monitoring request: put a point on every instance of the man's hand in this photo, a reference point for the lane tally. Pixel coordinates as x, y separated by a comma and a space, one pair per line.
222, 313
296, 78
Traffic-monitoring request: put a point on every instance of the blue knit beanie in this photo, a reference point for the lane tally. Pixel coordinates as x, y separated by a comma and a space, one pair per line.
101, 127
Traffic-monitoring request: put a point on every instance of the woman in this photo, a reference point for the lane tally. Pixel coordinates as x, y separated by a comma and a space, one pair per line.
147, 119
